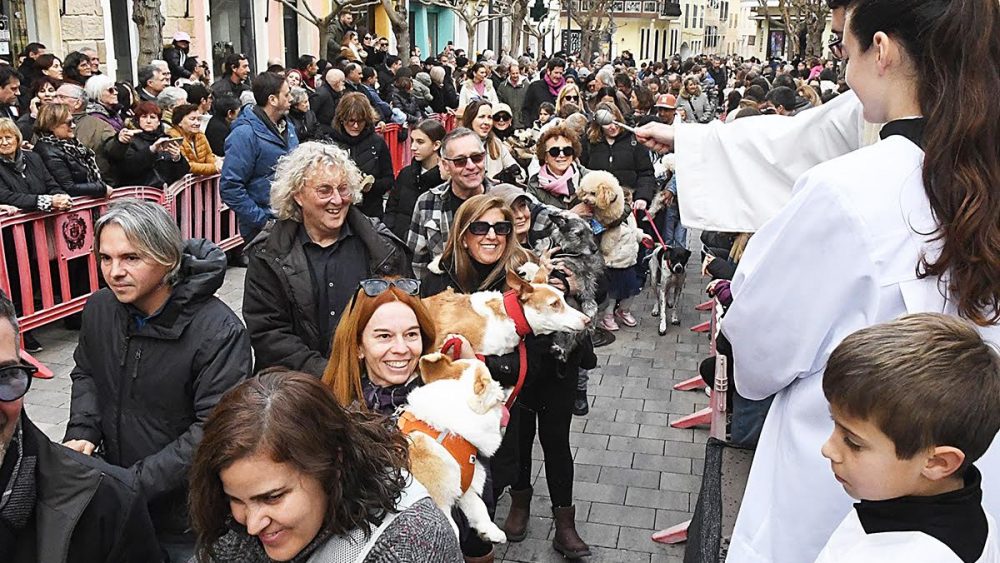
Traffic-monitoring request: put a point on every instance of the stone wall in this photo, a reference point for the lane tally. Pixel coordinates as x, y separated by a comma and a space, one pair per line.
83, 26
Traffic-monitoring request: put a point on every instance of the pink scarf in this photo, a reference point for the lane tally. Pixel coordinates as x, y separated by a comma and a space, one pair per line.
554, 87
480, 88
556, 185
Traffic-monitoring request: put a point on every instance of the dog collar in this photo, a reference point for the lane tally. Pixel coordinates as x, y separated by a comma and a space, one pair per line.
512, 305
458, 447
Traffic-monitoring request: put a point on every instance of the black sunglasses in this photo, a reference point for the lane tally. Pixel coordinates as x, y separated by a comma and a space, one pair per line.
501, 228
461, 161
15, 381
572, 98
501, 117
376, 286
565, 151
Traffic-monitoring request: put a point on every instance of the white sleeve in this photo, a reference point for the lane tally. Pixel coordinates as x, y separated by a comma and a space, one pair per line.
805, 282
735, 177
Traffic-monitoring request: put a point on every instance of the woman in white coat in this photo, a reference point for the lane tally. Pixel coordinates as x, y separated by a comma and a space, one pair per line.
909, 224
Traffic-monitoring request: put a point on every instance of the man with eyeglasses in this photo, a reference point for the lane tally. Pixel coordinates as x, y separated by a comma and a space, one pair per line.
305, 267
512, 92
57, 504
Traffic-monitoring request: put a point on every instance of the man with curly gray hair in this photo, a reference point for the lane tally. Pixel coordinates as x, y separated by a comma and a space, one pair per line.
305, 267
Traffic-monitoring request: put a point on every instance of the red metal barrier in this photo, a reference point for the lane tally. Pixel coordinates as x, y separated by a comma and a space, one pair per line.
194, 202
446, 119
396, 146
37, 251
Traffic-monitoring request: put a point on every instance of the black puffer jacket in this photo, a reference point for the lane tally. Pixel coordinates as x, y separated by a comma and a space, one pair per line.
371, 154
410, 184
86, 511
305, 124
279, 300
628, 160
138, 166
24, 179
324, 105
71, 173
142, 393
408, 104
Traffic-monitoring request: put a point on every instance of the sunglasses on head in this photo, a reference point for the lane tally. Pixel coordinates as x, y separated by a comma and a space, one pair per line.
565, 151
15, 381
461, 161
377, 286
501, 228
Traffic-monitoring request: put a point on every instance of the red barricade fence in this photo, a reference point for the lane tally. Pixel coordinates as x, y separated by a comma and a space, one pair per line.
194, 202
399, 148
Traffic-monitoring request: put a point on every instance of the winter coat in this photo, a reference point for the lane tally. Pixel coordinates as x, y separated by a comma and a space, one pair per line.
537, 94
445, 96
422, 90
96, 131
514, 96
252, 149
469, 93
279, 302
370, 153
175, 58
410, 184
698, 109
225, 87
628, 160
197, 152
24, 179
386, 78
408, 104
69, 172
142, 391
324, 105
26, 125
86, 511
305, 124
216, 133
139, 166
562, 202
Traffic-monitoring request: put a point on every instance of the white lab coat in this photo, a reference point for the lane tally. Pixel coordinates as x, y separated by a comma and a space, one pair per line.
840, 256
850, 544
735, 177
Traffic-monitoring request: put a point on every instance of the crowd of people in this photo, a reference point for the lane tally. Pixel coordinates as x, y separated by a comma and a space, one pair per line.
860, 306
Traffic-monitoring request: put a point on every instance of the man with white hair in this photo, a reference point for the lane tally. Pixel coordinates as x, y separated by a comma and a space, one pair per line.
73, 96
305, 267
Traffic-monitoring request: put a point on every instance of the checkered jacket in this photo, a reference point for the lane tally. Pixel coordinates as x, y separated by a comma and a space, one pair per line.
431, 224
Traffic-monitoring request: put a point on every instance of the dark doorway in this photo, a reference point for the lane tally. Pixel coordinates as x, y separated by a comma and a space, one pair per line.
290, 25
120, 35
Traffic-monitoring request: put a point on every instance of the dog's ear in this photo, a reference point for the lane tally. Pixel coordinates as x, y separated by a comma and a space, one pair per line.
558, 220
542, 275
481, 400
436, 366
518, 284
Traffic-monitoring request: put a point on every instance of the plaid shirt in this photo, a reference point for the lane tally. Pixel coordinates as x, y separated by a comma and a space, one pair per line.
431, 224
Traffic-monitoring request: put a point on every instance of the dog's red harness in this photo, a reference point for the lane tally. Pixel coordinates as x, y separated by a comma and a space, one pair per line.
512, 306
460, 449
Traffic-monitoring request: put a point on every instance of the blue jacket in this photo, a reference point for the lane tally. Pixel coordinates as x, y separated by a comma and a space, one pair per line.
252, 149
383, 109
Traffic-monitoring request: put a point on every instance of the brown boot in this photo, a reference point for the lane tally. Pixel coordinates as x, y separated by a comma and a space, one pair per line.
516, 525
488, 558
567, 541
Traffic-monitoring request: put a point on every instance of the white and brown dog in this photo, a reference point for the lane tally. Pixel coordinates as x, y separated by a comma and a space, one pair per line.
454, 415
484, 320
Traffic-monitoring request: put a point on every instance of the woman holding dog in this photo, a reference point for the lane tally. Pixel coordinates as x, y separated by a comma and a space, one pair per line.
481, 250
378, 344
616, 150
284, 473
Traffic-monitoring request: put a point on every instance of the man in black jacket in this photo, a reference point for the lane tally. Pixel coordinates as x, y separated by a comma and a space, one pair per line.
59, 505
324, 104
157, 351
305, 268
545, 89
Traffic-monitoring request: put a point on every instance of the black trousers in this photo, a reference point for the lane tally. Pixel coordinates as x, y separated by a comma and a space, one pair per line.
548, 410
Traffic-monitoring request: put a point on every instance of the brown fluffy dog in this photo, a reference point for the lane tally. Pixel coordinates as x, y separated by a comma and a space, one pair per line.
607, 199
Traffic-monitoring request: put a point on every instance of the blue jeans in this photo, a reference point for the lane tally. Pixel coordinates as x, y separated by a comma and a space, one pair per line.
674, 234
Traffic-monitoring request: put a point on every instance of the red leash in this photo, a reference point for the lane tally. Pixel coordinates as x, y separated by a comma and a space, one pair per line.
653, 224
512, 306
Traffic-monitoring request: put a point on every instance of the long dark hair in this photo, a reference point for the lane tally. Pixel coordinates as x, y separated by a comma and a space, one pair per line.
954, 48
293, 418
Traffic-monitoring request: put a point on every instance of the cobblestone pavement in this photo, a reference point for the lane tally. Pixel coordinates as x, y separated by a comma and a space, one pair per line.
634, 473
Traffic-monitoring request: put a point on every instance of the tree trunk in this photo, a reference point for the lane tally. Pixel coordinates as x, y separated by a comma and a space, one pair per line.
519, 10
400, 27
147, 17
470, 30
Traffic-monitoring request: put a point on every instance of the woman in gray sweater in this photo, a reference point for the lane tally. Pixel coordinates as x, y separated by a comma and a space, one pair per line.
283, 473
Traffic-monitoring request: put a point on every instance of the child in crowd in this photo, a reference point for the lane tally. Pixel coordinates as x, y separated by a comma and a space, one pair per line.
914, 403
545, 113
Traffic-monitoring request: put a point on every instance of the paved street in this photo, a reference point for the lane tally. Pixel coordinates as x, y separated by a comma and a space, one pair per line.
634, 474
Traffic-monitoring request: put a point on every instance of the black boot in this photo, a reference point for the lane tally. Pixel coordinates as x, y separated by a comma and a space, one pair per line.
601, 337
516, 525
567, 541
581, 406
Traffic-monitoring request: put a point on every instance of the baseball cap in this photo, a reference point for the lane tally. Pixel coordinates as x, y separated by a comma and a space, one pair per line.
182, 36
666, 101
510, 193
501, 108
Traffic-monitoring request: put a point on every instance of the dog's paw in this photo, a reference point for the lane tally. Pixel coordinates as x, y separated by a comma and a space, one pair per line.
493, 533
675, 320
